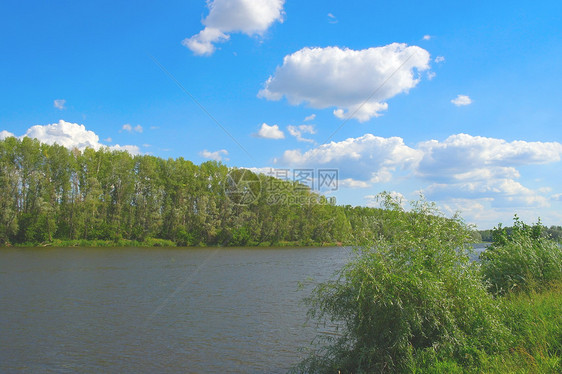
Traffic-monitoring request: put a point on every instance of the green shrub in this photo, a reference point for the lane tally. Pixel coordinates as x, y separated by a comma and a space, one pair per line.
155, 242
521, 259
409, 300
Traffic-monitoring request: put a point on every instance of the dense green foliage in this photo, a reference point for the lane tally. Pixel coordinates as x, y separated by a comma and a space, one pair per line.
412, 297
412, 302
52, 195
521, 259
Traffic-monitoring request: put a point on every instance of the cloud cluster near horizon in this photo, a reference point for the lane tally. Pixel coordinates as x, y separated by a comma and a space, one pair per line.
250, 17
461, 167
356, 82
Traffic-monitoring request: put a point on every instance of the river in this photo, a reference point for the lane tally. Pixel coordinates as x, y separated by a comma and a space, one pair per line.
158, 310
154, 310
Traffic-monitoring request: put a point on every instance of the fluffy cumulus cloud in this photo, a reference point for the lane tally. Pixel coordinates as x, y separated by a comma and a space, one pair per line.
465, 166
368, 158
466, 157
216, 155
132, 149
455, 171
270, 132
5, 134
501, 193
297, 132
462, 100
250, 17
71, 135
356, 82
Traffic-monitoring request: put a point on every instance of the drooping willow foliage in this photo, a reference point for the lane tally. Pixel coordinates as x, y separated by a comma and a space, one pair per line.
407, 301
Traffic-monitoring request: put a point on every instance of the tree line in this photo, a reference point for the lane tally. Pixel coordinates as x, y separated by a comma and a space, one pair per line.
50, 193
552, 232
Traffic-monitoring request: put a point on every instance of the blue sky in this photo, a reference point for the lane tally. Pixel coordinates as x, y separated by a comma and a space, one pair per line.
458, 100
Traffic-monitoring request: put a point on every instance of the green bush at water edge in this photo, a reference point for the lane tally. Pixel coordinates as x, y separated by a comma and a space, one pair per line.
412, 302
410, 299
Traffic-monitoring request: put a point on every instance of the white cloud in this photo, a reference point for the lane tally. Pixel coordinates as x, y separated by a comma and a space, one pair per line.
427, 37
462, 100
356, 82
132, 149
297, 132
70, 135
459, 169
439, 59
368, 158
217, 155
127, 127
270, 132
332, 18
501, 192
202, 43
465, 166
5, 134
466, 157
263, 170
478, 209
59, 103
431, 75
250, 17
310, 118
353, 183
109, 140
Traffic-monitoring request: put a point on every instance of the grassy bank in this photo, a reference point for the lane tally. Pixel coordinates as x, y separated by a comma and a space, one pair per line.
150, 242
535, 322
154, 242
533, 344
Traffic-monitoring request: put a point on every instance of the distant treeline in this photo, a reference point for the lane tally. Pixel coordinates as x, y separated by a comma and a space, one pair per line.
50, 194
552, 232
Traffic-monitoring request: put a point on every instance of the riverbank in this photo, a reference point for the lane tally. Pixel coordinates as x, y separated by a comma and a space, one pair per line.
154, 242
